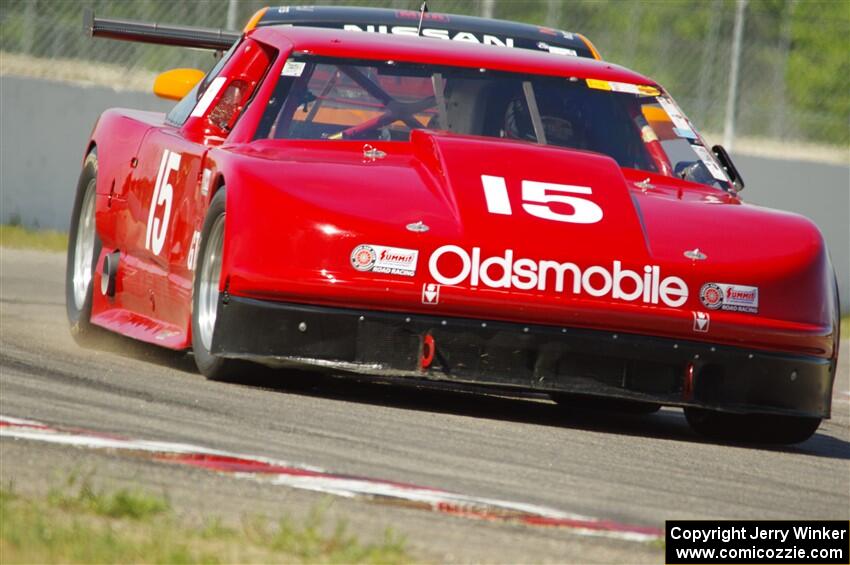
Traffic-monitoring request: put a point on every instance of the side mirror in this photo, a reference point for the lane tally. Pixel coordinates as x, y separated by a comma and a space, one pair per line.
728, 166
176, 83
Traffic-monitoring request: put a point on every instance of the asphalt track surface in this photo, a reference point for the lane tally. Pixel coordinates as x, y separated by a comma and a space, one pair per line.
638, 470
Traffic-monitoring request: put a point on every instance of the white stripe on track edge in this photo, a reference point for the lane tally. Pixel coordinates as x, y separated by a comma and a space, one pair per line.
310, 478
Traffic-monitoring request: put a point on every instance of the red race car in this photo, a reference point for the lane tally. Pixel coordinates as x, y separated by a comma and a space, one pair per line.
430, 196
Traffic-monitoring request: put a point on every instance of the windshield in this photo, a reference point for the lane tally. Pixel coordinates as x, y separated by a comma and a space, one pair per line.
637, 125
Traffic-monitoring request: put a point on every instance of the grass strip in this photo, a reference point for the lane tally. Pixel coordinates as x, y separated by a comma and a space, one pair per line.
19, 237
76, 523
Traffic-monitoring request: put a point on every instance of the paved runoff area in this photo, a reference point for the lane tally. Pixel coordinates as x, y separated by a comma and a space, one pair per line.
463, 476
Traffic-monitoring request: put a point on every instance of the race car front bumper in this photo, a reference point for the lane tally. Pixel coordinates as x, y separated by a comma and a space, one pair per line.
531, 357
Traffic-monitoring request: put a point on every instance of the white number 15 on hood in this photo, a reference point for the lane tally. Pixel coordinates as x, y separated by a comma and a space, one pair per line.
536, 198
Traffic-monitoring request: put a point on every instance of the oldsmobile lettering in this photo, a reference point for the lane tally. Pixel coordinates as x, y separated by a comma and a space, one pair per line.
504, 271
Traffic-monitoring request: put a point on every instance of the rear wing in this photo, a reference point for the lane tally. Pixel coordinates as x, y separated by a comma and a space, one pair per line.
159, 34
468, 29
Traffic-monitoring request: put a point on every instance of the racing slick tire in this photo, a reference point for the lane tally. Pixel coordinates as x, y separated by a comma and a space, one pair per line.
755, 428
205, 297
83, 252
596, 403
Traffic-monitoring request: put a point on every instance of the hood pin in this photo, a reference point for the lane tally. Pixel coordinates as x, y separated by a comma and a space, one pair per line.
696, 254
418, 227
644, 185
372, 153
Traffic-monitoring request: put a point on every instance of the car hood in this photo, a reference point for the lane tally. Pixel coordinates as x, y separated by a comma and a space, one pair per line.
490, 219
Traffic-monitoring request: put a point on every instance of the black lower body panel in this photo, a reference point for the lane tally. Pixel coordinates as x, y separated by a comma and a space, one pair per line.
531, 357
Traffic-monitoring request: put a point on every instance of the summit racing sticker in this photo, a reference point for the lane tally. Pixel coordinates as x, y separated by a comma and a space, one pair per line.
382, 259
730, 297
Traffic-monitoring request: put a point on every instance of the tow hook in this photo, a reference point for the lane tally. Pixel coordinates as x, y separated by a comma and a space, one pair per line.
426, 355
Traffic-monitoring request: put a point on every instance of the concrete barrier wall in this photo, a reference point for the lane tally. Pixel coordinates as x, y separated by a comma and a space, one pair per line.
45, 126
816, 190
44, 131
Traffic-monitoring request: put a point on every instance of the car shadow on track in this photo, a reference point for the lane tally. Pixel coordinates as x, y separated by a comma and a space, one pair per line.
461, 400
140, 351
506, 405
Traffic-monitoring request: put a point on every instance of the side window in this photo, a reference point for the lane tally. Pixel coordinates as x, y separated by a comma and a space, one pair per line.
244, 72
180, 113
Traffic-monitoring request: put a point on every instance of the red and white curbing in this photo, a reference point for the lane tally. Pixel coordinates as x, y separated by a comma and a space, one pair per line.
305, 477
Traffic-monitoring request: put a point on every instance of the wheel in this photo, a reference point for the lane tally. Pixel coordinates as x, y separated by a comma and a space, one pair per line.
83, 252
596, 403
756, 428
205, 296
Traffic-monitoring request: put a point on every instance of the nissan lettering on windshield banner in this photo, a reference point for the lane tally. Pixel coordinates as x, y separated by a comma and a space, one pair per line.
468, 29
